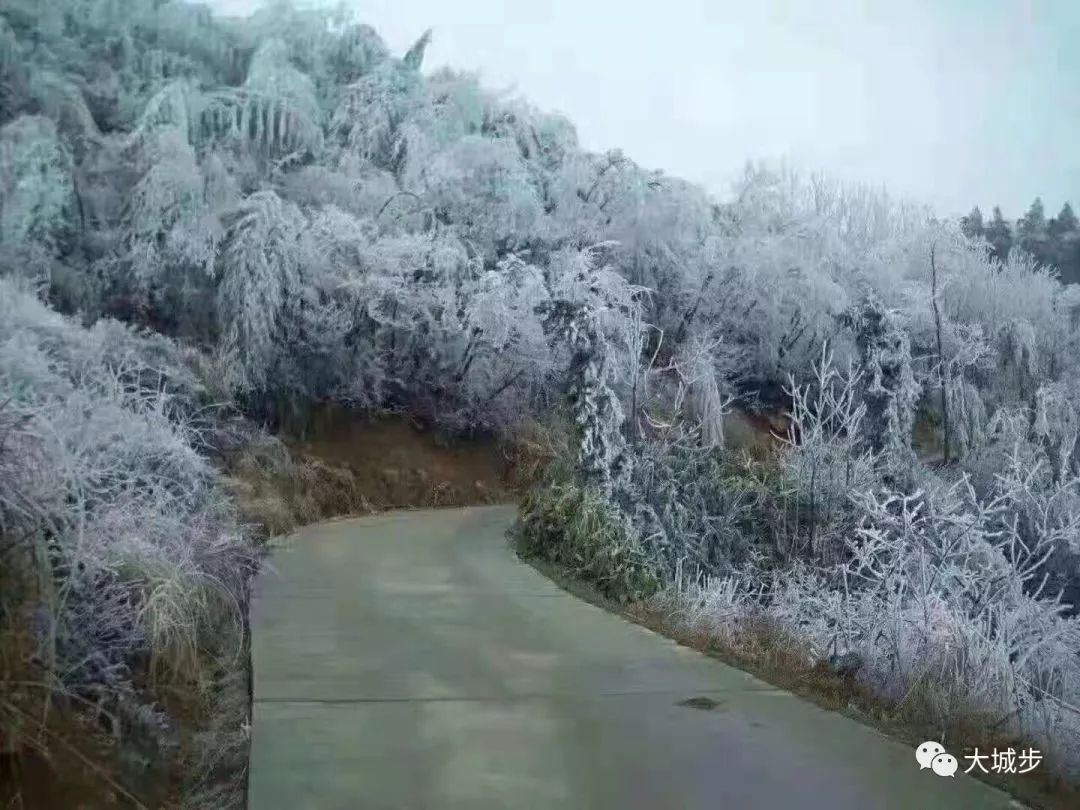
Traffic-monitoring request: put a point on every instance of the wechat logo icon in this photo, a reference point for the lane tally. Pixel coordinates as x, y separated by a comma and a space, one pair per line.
933, 755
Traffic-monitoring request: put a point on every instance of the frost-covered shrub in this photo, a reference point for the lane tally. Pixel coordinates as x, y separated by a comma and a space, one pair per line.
828, 454
579, 529
693, 508
35, 180
108, 509
260, 263
412, 321
937, 592
960, 590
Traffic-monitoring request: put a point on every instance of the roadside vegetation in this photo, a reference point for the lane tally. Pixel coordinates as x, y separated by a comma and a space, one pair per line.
806, 417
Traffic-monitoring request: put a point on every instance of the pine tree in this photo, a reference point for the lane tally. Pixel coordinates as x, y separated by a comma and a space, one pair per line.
1065, 222
1034, 221
972, 225
999, 235
1031, 233
1063, 239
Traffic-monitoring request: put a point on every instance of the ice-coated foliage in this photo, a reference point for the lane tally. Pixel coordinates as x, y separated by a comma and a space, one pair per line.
481, 186
889, 390
828, 454
578, 315
261, 260
369, 119
35, 180
105, 504
169, 191
957, 590
308, 105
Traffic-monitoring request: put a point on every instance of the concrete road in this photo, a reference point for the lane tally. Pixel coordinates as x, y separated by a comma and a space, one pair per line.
410, 662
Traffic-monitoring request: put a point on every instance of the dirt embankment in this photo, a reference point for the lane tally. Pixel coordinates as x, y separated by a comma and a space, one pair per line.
396, 463
348, 464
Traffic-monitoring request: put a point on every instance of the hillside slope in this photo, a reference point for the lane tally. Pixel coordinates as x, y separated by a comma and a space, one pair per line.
249, 222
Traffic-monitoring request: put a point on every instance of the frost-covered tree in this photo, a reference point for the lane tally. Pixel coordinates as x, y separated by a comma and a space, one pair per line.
369, 119
889, 390
36, 193
828, 454
587, 312
169, 192
480, 186
260, 259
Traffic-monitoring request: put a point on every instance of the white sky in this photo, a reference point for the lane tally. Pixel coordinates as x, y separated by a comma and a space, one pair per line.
951, 102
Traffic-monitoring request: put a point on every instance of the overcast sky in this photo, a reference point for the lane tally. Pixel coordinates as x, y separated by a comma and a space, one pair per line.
951, 102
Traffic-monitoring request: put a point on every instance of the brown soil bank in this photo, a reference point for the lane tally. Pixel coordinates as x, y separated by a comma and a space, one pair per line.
396, 463
349, 464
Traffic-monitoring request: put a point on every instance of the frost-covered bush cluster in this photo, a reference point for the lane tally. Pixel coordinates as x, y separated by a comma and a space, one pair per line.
323, 220
118, 545
952, 587
284, 194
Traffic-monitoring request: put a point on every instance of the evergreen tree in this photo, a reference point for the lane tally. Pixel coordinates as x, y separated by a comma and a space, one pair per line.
972, 225
1064, 232
1070, 261
1053, 243
999, 235
1034, 221
1063, 223
1031, 232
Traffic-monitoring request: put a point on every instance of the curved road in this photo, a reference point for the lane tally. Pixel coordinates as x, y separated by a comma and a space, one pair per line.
409, 661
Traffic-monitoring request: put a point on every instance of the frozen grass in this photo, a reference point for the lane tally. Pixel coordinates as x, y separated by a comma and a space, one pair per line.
576, 528
276, 490
131, 568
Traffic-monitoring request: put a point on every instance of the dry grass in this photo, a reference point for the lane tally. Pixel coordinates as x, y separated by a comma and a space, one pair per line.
216, 752
539, 451
60, 751
45, 731
277, 490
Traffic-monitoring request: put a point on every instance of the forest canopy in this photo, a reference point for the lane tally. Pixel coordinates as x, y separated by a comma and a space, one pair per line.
1053, 242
